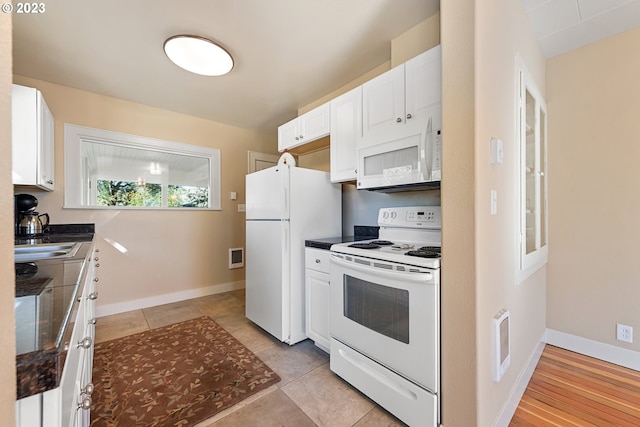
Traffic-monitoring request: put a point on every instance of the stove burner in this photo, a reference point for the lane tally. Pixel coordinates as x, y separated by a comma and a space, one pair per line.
382, 242
364, 245
426, 252
431, 249
423, 254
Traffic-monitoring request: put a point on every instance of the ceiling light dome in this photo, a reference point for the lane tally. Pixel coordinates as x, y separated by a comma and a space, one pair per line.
198, 55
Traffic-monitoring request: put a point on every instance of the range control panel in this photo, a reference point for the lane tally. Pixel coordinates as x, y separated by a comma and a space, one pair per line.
411, 217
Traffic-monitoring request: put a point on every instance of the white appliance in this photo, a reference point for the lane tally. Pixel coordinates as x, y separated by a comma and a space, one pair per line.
402, 163
385, 313
285, 205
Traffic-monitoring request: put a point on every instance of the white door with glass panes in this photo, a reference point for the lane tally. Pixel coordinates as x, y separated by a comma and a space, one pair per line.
532, 128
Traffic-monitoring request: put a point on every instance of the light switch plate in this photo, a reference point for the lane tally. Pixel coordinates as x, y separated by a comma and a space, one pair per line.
494, 202
497, 151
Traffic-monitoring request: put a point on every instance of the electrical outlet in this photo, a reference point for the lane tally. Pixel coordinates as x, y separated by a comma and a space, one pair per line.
624, 333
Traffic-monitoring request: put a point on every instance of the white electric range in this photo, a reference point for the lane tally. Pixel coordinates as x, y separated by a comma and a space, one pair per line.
385, 313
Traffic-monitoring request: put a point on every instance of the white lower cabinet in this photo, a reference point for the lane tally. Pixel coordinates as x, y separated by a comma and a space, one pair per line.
69, 404
317, 296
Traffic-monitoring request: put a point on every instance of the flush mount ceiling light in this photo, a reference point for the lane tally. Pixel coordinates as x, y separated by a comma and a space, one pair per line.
198, 55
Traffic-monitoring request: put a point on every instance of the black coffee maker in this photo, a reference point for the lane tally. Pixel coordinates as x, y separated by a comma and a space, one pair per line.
28, 222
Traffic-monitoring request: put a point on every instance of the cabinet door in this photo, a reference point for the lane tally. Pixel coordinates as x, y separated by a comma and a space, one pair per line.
383, 105
317, 308
32, 139
288, 135
315, 123
346, 132
424, 90
45, 160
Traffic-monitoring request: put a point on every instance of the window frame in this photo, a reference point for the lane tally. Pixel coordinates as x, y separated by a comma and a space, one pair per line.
74, 135
530, 262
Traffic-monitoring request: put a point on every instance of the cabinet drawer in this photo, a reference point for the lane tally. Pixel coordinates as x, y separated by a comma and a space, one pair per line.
317, 259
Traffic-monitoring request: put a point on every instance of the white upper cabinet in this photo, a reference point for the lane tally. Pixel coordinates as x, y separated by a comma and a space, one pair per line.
423, 79
32, 130
305, 128
346, 131
403, 99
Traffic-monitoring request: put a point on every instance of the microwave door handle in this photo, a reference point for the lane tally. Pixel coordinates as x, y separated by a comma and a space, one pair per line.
427, 143
399, 275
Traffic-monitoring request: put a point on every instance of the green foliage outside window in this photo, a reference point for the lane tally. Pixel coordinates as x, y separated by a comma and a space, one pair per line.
124, 193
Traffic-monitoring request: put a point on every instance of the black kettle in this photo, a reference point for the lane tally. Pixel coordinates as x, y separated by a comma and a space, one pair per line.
30, 224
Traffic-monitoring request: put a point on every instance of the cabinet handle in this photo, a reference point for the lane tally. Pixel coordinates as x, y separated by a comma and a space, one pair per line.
97, 250
93, 321
408, 116
95, 279
88, 389
85, 343
399, 120
301, 137
96, 259
50, 181
317, 261
86, 403
297, 138
93, 296
97, 264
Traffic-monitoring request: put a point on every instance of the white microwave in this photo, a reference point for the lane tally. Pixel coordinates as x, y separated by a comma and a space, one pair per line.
403, 163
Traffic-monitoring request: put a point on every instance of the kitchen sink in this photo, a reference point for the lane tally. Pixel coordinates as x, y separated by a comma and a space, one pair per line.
45, 251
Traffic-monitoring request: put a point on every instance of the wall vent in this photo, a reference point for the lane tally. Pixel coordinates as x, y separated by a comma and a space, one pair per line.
501, 344
236, 258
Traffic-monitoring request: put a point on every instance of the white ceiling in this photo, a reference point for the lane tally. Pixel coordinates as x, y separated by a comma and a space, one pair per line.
564, 25
288, 53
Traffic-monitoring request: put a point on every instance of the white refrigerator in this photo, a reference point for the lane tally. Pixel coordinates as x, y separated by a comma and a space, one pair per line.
285, 206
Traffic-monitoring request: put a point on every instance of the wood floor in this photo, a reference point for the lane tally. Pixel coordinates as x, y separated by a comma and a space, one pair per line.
569, 389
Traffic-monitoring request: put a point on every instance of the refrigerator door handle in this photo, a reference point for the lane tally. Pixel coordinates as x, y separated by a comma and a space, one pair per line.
285, 214
285, 243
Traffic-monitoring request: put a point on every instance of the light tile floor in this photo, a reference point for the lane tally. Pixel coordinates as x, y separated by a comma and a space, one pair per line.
309, 394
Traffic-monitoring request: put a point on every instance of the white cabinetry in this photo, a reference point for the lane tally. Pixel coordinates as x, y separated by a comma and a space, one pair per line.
346, 131
69, 404
317, 296
403, 100
304, 129
32, 130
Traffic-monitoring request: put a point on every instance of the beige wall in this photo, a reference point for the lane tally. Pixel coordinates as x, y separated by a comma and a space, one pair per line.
458, 296
479, 44
594, 122
502, 31
168, 251
7, 277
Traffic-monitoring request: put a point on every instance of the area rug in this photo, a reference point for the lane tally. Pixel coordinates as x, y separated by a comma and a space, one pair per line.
178, 375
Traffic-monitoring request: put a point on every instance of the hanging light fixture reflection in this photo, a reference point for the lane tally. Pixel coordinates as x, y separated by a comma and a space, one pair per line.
155, 168
198, 55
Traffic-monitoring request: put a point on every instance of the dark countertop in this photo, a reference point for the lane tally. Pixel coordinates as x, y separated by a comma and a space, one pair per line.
45, 308
360, 232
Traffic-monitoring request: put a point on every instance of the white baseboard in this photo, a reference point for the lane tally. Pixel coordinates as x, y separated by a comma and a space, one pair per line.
607, 352
521, 385
106, 310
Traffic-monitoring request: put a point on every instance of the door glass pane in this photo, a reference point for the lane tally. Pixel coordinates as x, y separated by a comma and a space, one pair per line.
380, 308
530, 173
543, 180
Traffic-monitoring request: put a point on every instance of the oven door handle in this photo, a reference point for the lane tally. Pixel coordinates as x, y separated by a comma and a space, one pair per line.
401, 275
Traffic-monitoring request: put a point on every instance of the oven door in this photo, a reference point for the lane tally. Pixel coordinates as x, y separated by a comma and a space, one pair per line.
389, 315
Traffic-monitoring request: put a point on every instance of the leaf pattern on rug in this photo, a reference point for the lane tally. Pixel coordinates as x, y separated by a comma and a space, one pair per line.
175, 376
